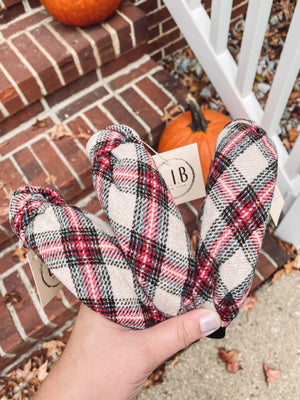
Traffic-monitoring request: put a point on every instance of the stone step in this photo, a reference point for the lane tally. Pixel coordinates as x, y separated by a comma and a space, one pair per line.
39, 55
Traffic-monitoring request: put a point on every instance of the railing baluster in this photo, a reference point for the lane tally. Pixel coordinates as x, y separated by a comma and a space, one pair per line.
285, 76
220, 21
255, 27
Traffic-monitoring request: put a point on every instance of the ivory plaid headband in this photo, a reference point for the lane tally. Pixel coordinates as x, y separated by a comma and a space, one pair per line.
139, 269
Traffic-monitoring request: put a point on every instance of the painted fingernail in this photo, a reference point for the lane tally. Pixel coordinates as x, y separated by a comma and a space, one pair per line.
209, 321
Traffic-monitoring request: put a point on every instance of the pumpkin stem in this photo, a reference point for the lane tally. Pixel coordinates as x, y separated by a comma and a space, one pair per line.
199, 123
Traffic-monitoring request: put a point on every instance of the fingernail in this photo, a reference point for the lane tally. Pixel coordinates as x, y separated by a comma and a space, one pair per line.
209, 321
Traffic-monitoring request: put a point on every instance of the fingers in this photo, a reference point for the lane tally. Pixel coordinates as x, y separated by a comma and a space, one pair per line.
173, 335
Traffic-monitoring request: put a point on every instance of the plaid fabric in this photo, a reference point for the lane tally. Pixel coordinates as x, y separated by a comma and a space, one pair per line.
140, 270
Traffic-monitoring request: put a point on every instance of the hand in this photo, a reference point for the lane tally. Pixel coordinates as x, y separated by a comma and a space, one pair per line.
106, 361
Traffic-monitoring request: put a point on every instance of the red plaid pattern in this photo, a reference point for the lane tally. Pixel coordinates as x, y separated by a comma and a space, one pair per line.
139, 269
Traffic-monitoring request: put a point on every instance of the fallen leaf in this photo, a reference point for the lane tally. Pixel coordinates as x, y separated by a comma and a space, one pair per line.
170, 112
156, 378
293, 135
40, 123
176, 359
193, 240
288, 267
12, 297
50, 179
42, 371
54, 348
277, 275
229, 359
271, 374
58, 132
250, 303
296, 264
20, 253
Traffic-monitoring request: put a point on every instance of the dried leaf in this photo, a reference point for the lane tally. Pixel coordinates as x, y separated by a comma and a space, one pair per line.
293, 135
12, 297
42, 371
193, 240
54, 348
176, 359
250, 303
277, 275
20, 253
289, 267
271, 374
40, 123
170, 112
296, 264
156, 378
229, 359
58, 132
50, 179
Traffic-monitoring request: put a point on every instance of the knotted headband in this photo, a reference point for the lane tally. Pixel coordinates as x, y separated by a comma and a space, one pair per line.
139, 269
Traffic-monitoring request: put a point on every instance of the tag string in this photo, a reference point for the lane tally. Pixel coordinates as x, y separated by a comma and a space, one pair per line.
166, 162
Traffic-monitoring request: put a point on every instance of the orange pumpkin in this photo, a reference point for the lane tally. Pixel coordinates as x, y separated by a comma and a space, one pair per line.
194, 126
81, 12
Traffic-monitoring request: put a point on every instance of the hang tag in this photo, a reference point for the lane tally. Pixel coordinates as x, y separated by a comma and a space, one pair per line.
47, 284
276, 205
181, 170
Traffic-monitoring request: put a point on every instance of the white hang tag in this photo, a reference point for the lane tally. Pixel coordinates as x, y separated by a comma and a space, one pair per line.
276, 205
181, 170
47, 284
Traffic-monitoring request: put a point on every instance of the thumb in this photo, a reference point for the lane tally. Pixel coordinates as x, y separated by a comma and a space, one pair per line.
174, 334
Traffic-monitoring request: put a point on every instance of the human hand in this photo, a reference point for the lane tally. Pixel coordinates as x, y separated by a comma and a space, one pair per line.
106, 361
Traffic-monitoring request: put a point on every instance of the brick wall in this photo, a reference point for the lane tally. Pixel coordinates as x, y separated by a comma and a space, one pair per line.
164, 36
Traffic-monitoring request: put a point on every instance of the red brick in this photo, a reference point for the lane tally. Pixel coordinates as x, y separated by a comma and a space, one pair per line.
166, 39
265, 267
123, 116
9, 96
24, 136
71, 89
157, 55
151, 90
98, 118
9, 3
25, 309
139, 21
134, 73
20, 117
154, 32
158, 16
38, 61
103, 42
21, 75
273, 248
74, 302
30, 167
148, 6
168, 25
76, 40
55, 310
188, 217
7, 261
67, 184
172, 85
23, 23
11, 180
7, 238
176, 46
77, 126
58, 51
124, 60
9, 336
93, 206
15, 10
81, 103
123, 30
77, 159
255, 283
142, 108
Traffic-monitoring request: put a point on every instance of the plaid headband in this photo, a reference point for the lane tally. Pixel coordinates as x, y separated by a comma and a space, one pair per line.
139, 269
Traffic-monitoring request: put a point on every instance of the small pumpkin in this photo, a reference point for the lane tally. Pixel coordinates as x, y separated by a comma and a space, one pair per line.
81, 12
195, 126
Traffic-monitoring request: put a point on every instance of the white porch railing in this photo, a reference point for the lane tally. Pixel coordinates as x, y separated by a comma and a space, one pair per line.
208, 39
